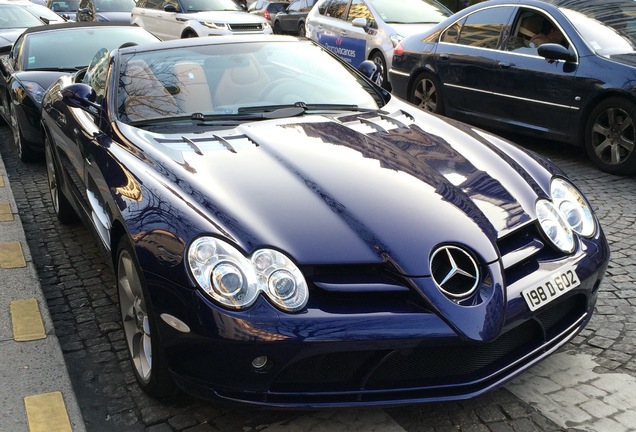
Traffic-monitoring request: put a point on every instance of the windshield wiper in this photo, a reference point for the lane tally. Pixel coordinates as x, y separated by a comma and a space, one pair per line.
57, 69
242, 116
305, 107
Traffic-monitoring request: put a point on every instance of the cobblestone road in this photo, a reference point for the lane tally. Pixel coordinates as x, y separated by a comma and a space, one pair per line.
570, 391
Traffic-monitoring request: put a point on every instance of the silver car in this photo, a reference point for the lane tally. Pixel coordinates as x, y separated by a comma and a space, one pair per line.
174, 19
359, 30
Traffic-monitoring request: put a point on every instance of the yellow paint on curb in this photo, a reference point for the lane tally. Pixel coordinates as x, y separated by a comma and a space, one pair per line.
5, 212
47, 413
26, 320
11, 255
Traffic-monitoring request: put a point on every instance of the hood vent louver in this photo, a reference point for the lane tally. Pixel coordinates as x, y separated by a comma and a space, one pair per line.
209, 143
379, 122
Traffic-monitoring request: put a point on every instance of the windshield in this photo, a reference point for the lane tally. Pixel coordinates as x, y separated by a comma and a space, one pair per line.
15, 17
410, 11
210, 5
66, 53
228, 79
43, 12
65, 6
608, 28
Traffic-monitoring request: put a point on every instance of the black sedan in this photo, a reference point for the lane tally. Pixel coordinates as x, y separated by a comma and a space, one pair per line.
285, 233
38, 57
557, 69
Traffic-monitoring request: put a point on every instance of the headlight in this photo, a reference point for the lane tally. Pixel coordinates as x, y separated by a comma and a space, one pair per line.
217, 26
235, 281
555, 226
396, 39
35, 90
574, 208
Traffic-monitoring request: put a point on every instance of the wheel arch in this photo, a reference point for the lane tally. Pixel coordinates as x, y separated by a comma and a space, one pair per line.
586, 111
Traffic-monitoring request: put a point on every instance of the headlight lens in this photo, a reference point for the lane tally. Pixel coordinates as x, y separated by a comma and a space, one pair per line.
217, 26
555, 226
35, 90
574, 208
235, 281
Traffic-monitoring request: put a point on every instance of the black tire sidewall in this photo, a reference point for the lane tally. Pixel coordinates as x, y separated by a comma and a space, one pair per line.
629, 165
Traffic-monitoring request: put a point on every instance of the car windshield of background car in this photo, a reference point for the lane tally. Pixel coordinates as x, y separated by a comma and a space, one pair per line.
65, 6
58, 49
612, 31
15, 17
225, 79
210, 5
410, 11
43, 12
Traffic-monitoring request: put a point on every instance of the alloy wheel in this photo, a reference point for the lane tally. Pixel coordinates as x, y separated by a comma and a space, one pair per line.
613, 136
425, 95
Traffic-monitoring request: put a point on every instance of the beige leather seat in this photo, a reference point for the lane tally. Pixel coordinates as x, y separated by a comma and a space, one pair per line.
242, 82
193, 93
147, 97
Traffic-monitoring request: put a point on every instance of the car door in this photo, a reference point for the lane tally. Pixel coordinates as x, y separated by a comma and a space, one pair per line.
531, 91
465, 61
288, 19
339, 35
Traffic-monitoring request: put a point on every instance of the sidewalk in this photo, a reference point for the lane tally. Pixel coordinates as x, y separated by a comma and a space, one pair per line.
35, 389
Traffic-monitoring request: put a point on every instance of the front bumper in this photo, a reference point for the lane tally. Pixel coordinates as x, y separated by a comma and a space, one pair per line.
329, 359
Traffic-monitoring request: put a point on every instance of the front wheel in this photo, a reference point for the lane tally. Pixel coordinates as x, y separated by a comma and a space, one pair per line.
24, 153
302, 31
140, 329
610, 136
63, 209
426, 94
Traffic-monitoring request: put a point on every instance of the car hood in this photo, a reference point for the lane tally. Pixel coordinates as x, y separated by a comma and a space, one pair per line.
120, 17
357, 189
7, 37
43, 78
406, 30
229, 17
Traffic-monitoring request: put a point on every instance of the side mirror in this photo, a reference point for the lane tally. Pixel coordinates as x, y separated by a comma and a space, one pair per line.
170, 8
371, 70
552, 51
359, 22
82, 96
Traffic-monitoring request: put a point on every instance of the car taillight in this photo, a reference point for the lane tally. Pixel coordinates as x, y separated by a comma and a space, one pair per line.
399, 49
267, 17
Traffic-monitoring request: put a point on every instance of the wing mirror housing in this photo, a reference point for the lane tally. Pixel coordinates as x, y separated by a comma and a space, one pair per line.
82, 96
552, 51
170, 8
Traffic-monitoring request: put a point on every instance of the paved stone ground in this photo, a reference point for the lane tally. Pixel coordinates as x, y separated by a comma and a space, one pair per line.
81, 295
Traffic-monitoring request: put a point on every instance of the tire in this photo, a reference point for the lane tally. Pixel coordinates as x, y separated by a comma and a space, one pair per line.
610, 136
277, 29
189, 34
24, 153
302, 31
63, 209
140, 328
426, 94
377, 58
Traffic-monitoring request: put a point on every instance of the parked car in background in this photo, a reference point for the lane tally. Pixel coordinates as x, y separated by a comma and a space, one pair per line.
357, 30
292, 19
175, 19
65, 8
267, 9
486, 65
105, 10
44, 14
285, 233
14, 19
41, 55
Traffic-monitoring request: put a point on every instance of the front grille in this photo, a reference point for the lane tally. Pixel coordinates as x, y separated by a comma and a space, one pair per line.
246, 27
425, 367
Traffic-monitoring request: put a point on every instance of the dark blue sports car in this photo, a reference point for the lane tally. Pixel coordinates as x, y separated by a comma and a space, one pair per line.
285, 233
558, 69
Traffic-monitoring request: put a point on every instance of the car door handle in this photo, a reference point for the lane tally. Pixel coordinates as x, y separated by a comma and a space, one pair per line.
444, 56
506, 65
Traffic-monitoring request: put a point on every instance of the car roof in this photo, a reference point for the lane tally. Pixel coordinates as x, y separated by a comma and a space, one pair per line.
76, 24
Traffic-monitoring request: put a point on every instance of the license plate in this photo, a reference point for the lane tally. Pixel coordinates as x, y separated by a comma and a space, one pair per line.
557, 284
